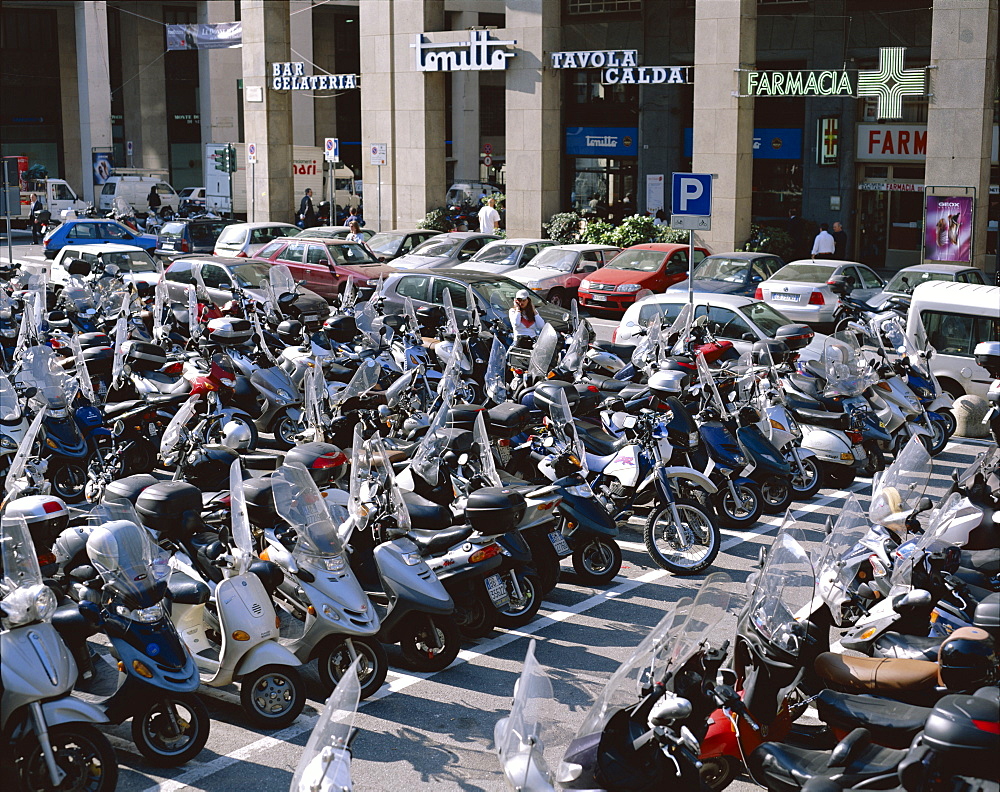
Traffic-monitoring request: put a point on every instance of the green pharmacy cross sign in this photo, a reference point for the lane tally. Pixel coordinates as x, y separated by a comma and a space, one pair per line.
888, 84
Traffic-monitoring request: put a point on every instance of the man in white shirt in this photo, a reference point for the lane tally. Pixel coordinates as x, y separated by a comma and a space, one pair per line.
489, 217
824, 244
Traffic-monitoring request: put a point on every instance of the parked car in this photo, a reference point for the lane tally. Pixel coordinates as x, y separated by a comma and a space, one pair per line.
505, 255
134, 263
556, 272
189, 236
245, 239
94, 232
732, 317
637, 272
333, 232
389, 245
444, 250
494, 294
134, 189
907, 279
219, 274
192, 198
732, 273
470, 193
801, 289
326, 264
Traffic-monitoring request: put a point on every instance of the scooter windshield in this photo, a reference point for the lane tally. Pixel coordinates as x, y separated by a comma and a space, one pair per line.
677, 337
487, 465
521, 738
646, 348
25, 451
783, 591
902, 345
17, 553
300, 503
80, 300
908, 555
564, 429
543, 355
325, 763
174, 433
279, 281
10, 406
370, 325
839, 558
707, 380
843, 363
124, 554
576, 351
82, 375
364, 379
496, 372
895, 493
427, 457
40, 370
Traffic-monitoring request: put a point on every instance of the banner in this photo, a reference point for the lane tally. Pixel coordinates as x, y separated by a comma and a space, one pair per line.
948, 229
102, 166
602, 141
195, 37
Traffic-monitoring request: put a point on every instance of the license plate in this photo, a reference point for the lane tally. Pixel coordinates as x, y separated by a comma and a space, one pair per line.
559, 544
780, 297
152, 430
600, 298
310, 318
497, 590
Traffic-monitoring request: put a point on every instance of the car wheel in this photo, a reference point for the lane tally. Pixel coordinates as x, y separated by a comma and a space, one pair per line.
558, 298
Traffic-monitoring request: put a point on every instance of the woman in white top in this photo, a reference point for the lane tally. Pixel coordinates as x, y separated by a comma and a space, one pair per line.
524, 320
355, 235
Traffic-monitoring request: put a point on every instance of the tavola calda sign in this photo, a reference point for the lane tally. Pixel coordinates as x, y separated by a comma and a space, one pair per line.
620, 67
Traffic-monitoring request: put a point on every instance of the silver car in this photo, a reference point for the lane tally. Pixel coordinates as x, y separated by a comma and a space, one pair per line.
446, 250
907, 279
801, 290
245, 239
505, 255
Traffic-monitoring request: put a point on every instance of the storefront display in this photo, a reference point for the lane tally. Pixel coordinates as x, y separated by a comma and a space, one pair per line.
948, 228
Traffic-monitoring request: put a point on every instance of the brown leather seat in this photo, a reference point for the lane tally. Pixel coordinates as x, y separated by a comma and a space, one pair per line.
394, 455
430, 343
876, 674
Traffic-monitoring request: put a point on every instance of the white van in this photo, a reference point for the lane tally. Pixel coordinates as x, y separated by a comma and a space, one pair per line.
134, 188
953, 318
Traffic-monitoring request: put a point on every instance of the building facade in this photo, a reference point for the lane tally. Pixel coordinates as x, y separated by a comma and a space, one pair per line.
879, 114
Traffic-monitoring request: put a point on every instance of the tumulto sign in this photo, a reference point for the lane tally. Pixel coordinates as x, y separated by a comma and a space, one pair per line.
292, 76
479, 53
889, 83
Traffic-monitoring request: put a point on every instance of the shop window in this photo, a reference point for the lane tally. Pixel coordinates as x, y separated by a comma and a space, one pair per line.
492, 110
574, 7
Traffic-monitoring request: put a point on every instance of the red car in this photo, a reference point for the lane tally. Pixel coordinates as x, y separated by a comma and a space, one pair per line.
635, 273
326, 264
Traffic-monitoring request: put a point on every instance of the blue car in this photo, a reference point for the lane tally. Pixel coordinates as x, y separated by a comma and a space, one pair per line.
732, 273
94, 232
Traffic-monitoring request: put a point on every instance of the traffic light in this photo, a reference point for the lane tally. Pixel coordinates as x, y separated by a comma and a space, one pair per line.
221, 156
231, 158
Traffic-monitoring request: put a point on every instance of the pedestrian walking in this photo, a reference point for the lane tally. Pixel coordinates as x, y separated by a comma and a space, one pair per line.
37, 207
824, 244
840, 241
153, 200
307, 214
489, 217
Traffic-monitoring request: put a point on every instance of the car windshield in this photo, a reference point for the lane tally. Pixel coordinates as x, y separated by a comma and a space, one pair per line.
386, 244
437, 248
502, 292
554, 258
131, 261
805, 272
250, 275
638, 260
721, 269
497, 254
186, 192
350, 253
206, 233
233, 235
906, 281
765, 317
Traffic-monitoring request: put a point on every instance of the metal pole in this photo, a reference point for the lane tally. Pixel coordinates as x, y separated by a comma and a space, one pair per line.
332, 193
379, 167
6, 200
691, 268
232, 170
253, 191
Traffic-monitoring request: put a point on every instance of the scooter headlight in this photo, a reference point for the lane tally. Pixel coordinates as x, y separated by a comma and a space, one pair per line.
142, 615
581, 491
334, 563
283, 394
7, 442
44, 604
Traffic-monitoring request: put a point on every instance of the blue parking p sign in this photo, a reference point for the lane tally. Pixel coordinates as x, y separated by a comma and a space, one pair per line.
692, 194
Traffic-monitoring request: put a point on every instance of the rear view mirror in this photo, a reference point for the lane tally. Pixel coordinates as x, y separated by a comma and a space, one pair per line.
324, 262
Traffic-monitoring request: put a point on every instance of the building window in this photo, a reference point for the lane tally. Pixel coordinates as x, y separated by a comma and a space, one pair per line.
602, 6
492, 110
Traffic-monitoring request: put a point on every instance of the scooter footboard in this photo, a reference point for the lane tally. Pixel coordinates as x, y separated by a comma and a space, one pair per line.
72, 710
264, 654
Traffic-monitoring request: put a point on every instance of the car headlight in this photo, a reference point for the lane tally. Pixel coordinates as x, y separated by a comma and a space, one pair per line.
628, 287
585, 284
535, 284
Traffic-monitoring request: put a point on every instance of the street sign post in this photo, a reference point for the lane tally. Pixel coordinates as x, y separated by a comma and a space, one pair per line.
331, 153
379, 158
129, 150
331, 150
252, 162
691, 195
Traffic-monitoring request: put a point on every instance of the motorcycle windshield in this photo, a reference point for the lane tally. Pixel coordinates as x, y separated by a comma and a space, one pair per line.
82, 373
40, 370
576, 351
543, 355
677, 336
370, 324
118, 361
487, 465
240, 519
451, 320
839, 558
124, 554
646, 349
427, 457
404, 383
783, 591
80, 300
383, 473
844, 365
364, 379
708, 383
897, 341
907, 555
10, 407
280, 279
326, 761
161, 299
313, 394
896, 492
24, 451
496, 372
348, 297
564, 429
175, 431
361, 474
521, 737
300, 503
17, 552
711, 605
410, 315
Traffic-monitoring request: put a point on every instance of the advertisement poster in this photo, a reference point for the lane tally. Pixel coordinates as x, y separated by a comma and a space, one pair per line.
102, 166
205, 36
654, 192
948, 229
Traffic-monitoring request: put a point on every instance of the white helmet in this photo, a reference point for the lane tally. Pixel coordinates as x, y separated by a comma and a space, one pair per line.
236, 435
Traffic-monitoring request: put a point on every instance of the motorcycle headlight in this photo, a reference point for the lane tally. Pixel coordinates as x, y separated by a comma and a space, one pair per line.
334, 563
142, 615
581, 491
283, 394
628, 287
8, 443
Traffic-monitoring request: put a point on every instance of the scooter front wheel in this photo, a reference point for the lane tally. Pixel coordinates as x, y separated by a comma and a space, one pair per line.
598, 561
741, 511
685, 549
418, 638
80, 750
335, 659
69, 479
808, 481
718, 772
273, 696
524, 606
776, 495
171, 730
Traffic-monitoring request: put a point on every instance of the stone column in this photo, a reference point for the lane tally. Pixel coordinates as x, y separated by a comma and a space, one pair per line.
465, 143
268, 123
402, 108
303, 115
144, 92
74, 170
960, 114
218, 71
93, 84
725, 39
325, 58
534, 128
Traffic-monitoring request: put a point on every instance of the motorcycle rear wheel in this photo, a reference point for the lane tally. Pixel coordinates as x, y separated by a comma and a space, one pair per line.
81, 751
667, 546
476, 616
598, 561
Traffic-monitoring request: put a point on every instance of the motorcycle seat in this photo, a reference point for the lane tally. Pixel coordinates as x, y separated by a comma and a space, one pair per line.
608, 384
909, 647
425, 514
437, 541
984, 561
622, 351
891, 723
877, 674
111, 410
598, 442
185, 590
787, 768
71, 624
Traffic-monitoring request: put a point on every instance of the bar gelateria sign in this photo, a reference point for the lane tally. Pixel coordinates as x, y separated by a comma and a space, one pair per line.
292, 77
